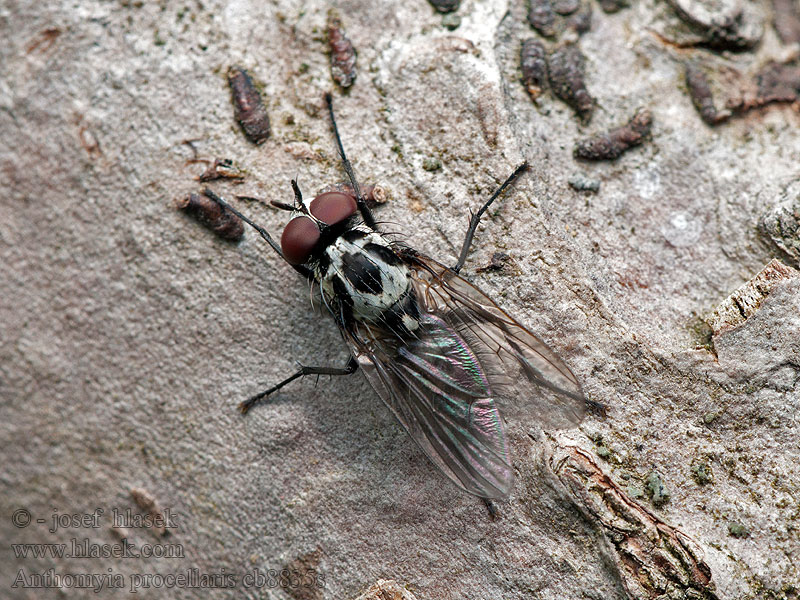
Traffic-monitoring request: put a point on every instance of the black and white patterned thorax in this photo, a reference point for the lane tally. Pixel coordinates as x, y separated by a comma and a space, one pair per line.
362, 278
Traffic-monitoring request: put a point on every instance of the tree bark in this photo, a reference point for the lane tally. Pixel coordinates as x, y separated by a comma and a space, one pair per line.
131, 331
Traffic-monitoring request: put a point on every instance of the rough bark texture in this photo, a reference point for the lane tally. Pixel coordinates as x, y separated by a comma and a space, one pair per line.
130, 332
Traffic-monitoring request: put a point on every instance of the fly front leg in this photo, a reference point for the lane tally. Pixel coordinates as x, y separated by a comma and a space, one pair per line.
366, 213
304, 271
349, 368
493, 514
473, 222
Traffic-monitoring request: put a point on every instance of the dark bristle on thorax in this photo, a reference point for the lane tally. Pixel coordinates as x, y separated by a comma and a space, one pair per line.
385, 253
354, 235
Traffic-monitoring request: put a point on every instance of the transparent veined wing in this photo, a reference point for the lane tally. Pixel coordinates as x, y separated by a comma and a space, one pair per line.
444, 382
437, 388
528, 379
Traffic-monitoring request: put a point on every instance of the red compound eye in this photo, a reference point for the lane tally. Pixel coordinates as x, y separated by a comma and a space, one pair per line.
333, 207
298, 240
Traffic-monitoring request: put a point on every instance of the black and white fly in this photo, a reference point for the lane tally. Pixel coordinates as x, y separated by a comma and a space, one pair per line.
438, 351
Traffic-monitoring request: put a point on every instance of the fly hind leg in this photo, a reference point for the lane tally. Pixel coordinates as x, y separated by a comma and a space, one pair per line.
349, 368
476, 217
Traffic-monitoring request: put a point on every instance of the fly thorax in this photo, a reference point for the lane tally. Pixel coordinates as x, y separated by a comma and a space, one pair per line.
363, 277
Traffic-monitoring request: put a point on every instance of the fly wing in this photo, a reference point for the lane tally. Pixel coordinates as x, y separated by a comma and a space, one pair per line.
437, 388
445, 380
527, 378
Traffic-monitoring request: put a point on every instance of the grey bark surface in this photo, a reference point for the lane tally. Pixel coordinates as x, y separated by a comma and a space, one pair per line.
130, 332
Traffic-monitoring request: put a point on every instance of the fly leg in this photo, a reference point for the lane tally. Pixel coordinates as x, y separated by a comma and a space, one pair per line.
262, 232
349, 368
493, 514
366, 213
476, 217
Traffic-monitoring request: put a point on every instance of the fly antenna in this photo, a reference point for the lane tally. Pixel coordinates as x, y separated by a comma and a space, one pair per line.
298, 198
366, 214
298, 205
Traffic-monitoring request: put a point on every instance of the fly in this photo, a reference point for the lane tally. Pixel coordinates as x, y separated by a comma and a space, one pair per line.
438, 351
